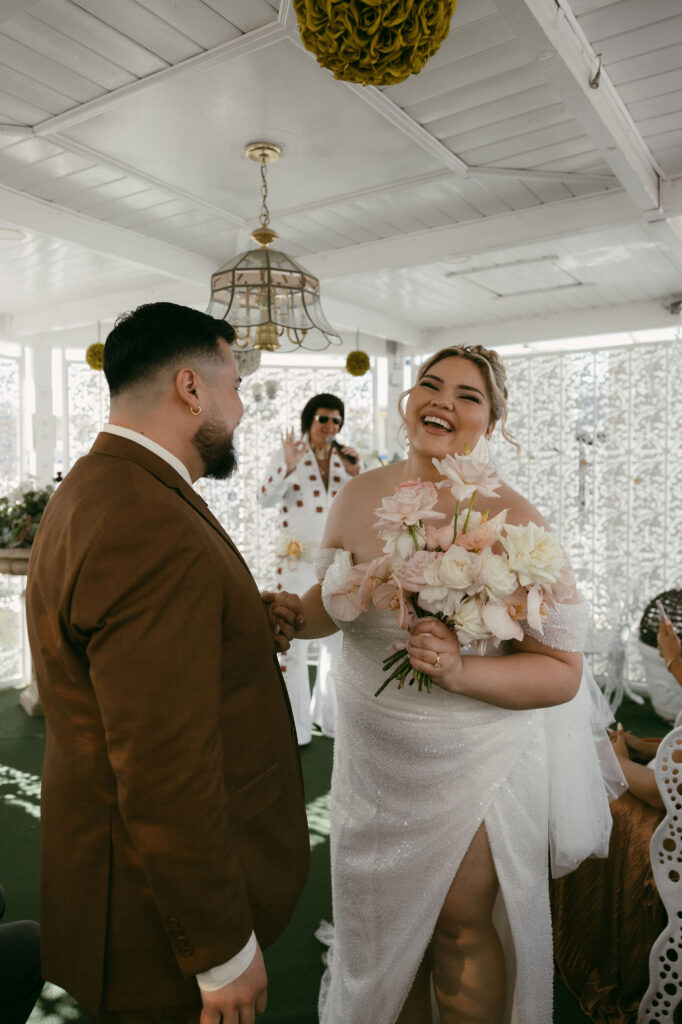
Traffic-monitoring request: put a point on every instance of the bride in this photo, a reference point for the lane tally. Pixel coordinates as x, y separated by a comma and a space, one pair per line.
444, 804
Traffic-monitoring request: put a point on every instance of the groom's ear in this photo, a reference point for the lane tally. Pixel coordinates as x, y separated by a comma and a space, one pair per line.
186, 386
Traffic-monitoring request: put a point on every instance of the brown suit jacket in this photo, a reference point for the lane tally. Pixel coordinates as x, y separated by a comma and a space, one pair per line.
173, 820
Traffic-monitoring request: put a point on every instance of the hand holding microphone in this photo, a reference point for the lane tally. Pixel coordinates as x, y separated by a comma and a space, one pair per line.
345, 453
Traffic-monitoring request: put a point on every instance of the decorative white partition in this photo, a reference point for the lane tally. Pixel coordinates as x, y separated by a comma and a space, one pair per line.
599, 431
600, 458
273, 400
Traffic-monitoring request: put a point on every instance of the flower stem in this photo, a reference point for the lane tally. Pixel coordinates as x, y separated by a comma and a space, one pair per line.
392, 658
454, 523
471, 505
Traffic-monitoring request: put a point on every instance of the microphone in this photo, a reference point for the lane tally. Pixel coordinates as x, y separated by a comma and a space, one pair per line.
349, 458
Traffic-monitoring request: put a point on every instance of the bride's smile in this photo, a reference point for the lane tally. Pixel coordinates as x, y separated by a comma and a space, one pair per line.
447, 411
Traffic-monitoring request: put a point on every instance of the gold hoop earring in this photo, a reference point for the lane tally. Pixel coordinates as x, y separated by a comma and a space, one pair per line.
195, 412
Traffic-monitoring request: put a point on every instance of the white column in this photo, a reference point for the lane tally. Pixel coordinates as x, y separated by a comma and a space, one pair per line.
396, 385
43, 416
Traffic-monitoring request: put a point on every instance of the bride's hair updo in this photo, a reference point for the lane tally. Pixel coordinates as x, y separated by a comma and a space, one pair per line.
494, 375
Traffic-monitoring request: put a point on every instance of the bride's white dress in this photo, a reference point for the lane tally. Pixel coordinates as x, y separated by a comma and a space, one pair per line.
414, 776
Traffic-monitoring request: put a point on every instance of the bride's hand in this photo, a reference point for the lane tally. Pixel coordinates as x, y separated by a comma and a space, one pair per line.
433, 649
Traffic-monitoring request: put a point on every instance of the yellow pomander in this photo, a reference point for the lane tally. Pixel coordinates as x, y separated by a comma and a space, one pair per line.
93, 356
357, 363
373, 42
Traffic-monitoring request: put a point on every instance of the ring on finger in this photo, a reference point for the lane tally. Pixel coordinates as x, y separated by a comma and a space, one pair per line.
436, 663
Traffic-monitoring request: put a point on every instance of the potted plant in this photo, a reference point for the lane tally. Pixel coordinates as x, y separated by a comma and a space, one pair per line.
20, 514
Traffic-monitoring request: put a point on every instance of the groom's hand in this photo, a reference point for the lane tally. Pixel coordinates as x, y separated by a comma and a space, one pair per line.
242, 1000
285, 613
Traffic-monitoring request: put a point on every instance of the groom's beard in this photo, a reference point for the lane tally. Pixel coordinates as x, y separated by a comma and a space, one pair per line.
216, 449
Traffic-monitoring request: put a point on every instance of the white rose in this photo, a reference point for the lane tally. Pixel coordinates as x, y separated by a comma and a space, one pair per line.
469, 624
457, 569
432, 599
534, 554
495, 574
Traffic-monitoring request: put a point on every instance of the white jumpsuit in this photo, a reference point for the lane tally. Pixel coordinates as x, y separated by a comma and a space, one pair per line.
303, 501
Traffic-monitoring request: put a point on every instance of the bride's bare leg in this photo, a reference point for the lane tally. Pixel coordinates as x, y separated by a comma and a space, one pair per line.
417, 1007
469, 970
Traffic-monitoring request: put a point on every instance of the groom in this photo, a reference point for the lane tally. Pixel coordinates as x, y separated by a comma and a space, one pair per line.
174, 837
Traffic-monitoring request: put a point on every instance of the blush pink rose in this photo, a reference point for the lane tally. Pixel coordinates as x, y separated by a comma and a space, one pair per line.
411, 503
412, 576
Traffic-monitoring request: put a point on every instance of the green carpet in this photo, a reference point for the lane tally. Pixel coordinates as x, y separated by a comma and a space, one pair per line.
293, 963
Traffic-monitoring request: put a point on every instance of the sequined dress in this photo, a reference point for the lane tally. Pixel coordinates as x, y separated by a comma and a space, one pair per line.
414, 776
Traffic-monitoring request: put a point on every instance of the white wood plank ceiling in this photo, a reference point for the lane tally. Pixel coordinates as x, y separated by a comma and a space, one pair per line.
526, 184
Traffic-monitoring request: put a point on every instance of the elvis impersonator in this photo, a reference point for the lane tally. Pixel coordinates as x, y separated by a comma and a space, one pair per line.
302, 479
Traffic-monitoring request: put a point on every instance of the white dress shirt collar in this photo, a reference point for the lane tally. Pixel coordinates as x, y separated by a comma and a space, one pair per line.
152, 446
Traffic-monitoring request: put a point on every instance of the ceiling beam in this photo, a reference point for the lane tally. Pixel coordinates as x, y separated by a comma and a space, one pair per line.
70, 318
346, 316
433, 177
671, 197
104, 160
550, 220
10, 9
50, 219
549, 31
533, 174
391, 112
248, 43
636, 316
18, 131
286, 16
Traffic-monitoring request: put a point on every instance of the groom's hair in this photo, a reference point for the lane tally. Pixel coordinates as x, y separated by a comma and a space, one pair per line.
158, 335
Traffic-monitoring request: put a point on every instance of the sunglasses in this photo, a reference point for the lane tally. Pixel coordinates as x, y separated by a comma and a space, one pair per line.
336, 420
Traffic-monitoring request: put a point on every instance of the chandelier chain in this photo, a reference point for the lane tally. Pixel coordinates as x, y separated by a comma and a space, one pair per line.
264, 217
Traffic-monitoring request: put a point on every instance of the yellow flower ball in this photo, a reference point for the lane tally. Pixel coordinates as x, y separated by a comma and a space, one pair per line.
357, 363
93, 356
373, 42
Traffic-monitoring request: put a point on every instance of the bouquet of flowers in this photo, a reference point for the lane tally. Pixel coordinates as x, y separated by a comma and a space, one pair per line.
450, 571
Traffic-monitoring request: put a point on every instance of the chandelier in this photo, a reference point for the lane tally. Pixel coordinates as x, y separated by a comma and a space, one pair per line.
272, 302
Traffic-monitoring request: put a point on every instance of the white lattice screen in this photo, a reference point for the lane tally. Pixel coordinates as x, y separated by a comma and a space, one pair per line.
599, 435
273, 400
600, 458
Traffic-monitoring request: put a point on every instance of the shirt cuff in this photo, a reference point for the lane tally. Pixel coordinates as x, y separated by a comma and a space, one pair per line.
217, 977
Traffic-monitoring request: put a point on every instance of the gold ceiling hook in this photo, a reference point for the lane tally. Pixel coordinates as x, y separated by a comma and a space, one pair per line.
595, 80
